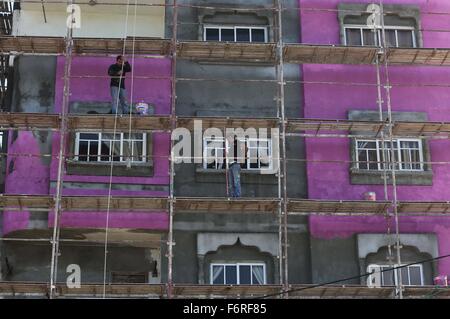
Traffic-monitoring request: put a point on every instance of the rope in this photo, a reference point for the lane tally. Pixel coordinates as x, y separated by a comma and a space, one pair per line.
112, 159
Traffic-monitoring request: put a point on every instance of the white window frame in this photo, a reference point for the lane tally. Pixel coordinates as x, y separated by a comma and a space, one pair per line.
99, 155
237, 265
379, 32
220, 27
379, 149
216, 139
382, 267
247, 141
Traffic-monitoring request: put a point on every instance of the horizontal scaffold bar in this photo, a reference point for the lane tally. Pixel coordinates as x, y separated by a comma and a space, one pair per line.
19, 289
308, 127
219, 205
227, 51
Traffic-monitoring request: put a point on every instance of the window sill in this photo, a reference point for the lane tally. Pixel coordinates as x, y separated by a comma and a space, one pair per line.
104, 169
360, 177
247, 176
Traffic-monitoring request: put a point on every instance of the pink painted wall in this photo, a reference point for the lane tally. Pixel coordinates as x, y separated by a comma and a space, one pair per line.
333, 101
29, 176
34, 178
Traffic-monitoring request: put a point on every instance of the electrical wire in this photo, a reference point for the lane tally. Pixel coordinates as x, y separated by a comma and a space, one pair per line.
353, 277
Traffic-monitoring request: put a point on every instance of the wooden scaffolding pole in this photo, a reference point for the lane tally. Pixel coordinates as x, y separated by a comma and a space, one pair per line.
61, 157
173, 120
282, 145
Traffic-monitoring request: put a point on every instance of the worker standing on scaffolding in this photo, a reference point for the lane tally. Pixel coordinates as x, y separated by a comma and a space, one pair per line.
234, 171
117, 73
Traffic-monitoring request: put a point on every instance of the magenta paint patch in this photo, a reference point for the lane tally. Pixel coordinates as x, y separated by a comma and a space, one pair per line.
354, 88
30, 176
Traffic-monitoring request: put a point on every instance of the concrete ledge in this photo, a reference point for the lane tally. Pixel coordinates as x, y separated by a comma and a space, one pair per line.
103, 169
247, 176
360, 177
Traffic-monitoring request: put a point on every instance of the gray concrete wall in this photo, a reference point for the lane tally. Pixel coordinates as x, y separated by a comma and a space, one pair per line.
218, 96
236, 98
188, 226
334, 259
34, 92
31, 262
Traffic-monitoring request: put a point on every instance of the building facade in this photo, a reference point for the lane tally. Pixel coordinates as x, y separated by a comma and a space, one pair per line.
230, 248
140, 159
347, 169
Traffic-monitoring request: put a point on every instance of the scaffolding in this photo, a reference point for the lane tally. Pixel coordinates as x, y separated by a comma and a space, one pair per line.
276, 54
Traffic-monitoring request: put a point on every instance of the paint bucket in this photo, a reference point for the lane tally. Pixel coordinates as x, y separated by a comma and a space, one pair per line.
441, 280
143, 108
370, 196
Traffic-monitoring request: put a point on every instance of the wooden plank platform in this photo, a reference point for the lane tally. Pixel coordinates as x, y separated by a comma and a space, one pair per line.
324, 125
106, 123
422, 56
227, 51
227, 122
82, 46
35, 289
423, 208
221, 205
29, 121
309, 206
224, 205
328, 54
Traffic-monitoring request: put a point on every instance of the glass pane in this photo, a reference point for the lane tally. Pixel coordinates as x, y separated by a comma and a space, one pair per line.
105, 151
388, 277
88, 136
369, 37
405, 38
415, 275
218, 275
353, 36
253, 157
82, 151
362, 160
109, 136
212, 34
405, 276
244, 275
390, 38
373, 165
415, 159
409, 144
231, 275
93, 151
258, 275
134, 136
258, 35
243, 35
227, 34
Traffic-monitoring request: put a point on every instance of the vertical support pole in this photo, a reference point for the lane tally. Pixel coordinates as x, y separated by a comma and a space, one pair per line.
283, 171
399, 284
380, 102
61, 157
173, 120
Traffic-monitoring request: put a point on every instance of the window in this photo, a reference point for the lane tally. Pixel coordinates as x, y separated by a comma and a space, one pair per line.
366, 36
411, 275
408, 155
257, 152
105, 147
235, 33
238, 274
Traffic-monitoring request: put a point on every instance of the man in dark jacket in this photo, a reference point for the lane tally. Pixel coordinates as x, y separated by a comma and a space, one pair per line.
117, 73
